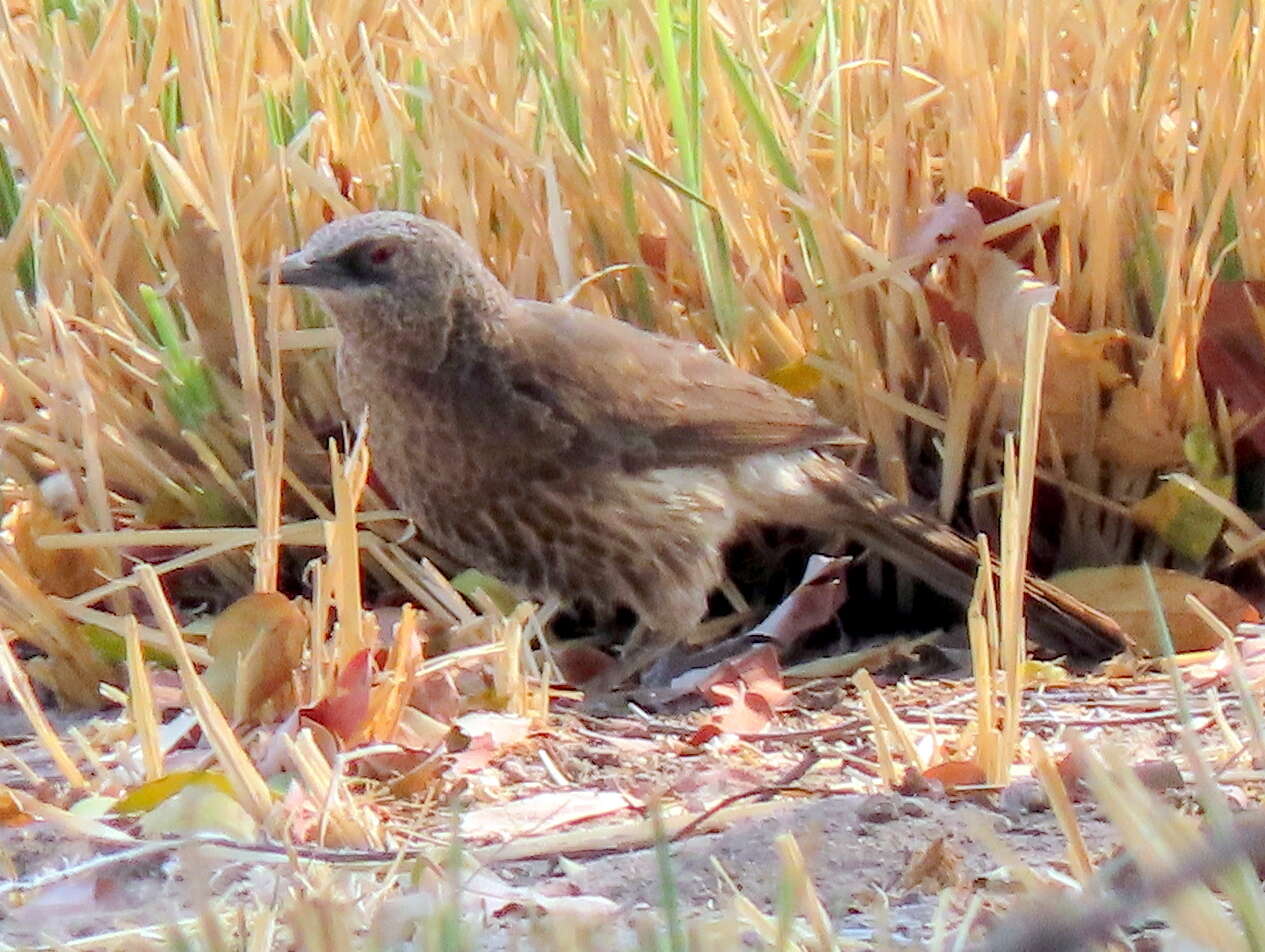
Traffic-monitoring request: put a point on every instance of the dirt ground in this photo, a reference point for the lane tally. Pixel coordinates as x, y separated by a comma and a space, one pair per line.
881, 863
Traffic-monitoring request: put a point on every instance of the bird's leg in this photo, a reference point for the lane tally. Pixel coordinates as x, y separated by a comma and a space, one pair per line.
645, 646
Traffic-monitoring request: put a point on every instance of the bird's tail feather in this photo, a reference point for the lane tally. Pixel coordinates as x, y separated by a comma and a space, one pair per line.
948, 562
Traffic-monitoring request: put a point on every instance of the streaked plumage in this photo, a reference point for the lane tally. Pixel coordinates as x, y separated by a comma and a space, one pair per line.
577, 456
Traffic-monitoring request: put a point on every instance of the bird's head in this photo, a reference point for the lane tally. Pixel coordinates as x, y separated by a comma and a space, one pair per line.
393, 271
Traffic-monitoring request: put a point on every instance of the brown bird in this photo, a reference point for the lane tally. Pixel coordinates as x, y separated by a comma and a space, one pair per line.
577, 456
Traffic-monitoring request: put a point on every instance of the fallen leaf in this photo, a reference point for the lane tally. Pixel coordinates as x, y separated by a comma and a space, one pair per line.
61, 572
148, 795
255, 645
1159, 776
1182, 519
949, 227
483, 736
541, 812
792, 289
937, 866
436, 696
1016, 244
195, 251
799, 377
346, 710
1044, 672
743, 712
11, 814
1232, 354
199, 808
582, 664
1120, 592
1138, 432
811, 604
952, 774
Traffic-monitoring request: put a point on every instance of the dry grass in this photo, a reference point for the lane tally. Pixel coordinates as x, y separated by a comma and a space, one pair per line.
673, 167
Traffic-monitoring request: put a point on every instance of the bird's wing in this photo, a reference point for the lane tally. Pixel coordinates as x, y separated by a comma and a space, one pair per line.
650, 400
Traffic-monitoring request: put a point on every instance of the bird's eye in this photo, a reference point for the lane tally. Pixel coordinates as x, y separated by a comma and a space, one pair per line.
368, 262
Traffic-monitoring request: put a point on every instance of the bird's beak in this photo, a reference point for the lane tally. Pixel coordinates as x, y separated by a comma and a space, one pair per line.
297, 270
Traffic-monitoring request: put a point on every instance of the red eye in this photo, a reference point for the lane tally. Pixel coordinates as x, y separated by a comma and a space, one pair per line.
381, 254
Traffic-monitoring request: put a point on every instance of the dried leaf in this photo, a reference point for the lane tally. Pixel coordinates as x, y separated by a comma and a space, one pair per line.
811, 604
1183, 520
1137, 431
750, 687
255, 645
346, 711
62, 572
11, 814
1232, 353
952, 774
792, 289
199, 808
1120, 592
148, 795
936, 867
436, 696
950, 227
582, 664
800, 378
540, 813
195, 250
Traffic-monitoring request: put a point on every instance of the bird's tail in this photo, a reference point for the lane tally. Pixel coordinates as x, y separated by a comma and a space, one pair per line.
948, 562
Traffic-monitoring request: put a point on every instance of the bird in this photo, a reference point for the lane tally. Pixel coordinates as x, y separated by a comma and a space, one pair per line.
578, 457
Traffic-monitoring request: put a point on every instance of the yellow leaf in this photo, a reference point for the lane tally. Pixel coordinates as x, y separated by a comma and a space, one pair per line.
1183, 520
199, 809
148, 795
1044, 672
798, 377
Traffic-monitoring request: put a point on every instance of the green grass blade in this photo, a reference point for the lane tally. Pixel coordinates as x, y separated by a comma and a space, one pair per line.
94, 139
10, 206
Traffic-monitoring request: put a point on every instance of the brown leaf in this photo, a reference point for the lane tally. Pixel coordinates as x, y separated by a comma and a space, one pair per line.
436, 695
952, 774
1015, 244
936, 867
792, 289
346, 710
10, 813
750, 687
1137, 431
811, 604
581, 664
61, 572
255, 646
963, 334
1120, 592
195, 250
1232, 353
654, 252
540, 813
946, 228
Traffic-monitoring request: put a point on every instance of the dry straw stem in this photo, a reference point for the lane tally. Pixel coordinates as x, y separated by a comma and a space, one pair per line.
140, 704
19, 686
1047, 772
249, 787
815, 147
1253, 718
836, 137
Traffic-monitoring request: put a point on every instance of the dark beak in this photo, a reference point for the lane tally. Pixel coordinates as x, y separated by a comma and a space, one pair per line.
300, 272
